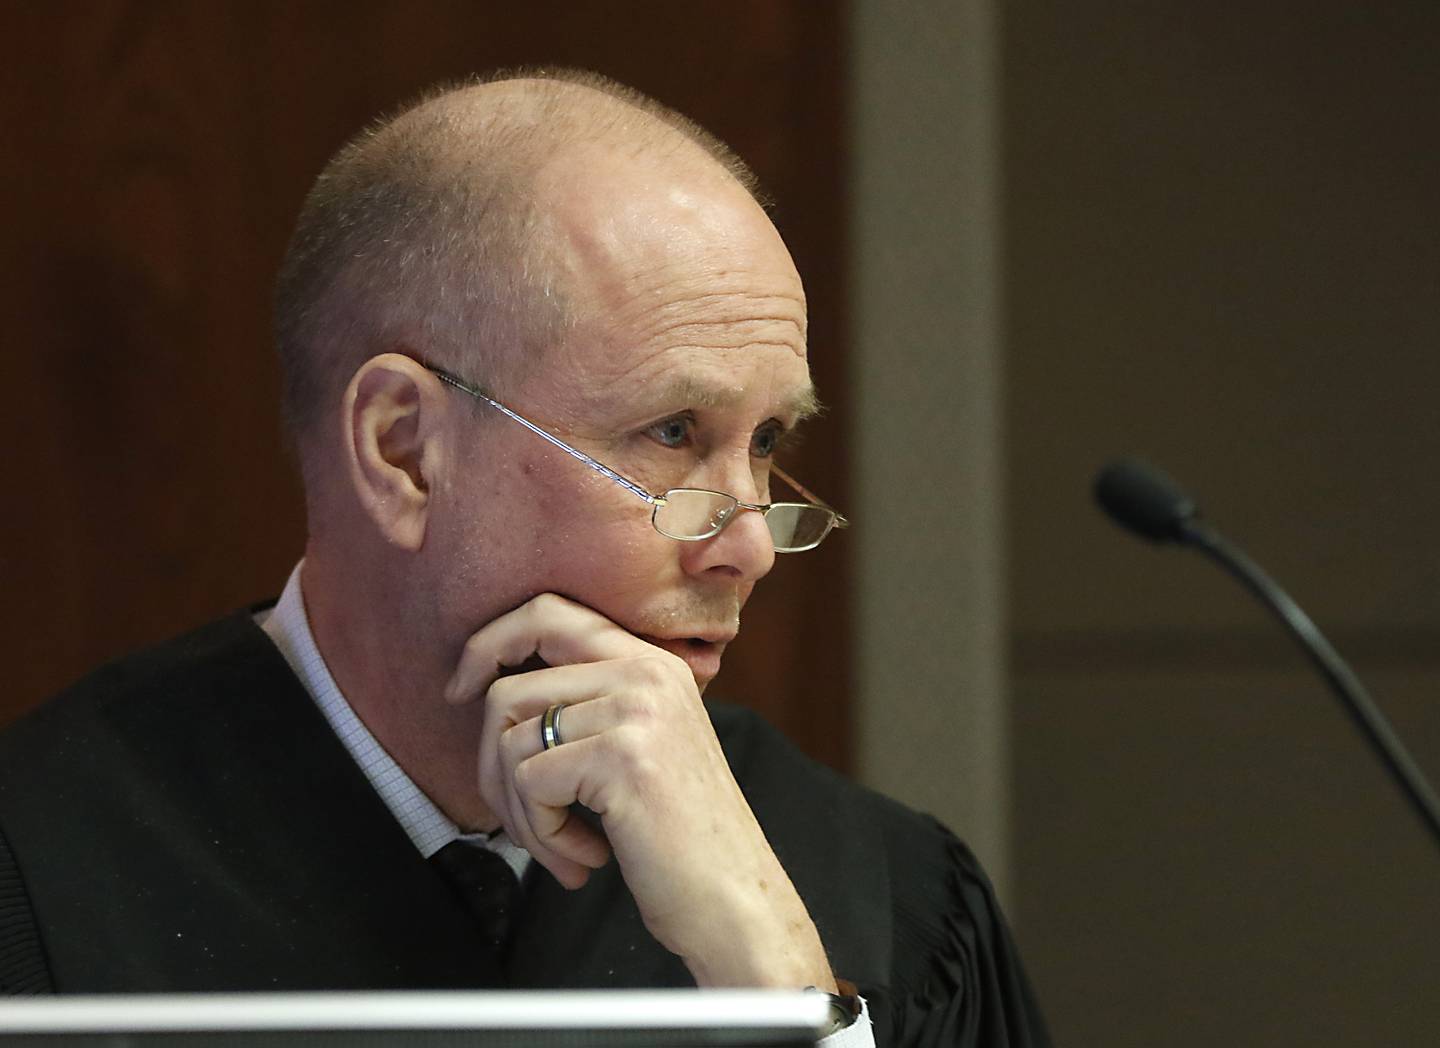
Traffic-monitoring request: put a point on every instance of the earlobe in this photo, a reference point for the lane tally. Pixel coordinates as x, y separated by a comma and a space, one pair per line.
392, 446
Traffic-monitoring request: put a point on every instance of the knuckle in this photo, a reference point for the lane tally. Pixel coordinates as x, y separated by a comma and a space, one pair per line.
641, 707
633, 754
656, 670
498, 694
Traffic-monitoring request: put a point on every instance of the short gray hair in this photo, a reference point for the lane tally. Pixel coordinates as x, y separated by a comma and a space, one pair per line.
424, 229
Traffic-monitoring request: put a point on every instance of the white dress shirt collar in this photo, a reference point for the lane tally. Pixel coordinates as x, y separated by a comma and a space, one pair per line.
427, 826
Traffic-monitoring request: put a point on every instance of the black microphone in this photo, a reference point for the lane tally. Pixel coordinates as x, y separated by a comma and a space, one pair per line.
1139, 497
1144, 500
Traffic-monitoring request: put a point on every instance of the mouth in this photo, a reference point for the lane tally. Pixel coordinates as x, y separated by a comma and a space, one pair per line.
701, 654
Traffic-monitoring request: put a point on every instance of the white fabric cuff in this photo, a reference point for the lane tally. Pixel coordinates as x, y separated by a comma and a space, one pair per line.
859, 1034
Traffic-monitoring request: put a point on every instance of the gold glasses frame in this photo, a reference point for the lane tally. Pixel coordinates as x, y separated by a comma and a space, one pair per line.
726, 507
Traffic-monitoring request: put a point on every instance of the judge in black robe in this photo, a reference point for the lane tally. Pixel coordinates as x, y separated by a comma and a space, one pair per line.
186, 820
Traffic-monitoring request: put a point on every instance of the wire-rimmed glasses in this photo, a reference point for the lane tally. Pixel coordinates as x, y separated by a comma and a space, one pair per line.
693, 514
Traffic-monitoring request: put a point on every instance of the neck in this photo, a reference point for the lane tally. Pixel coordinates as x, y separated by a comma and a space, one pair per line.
387, 663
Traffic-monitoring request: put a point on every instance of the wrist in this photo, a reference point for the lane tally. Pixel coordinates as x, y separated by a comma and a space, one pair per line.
762, 942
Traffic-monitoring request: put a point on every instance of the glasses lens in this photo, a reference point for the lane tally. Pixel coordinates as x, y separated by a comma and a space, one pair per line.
690, 513
796, 526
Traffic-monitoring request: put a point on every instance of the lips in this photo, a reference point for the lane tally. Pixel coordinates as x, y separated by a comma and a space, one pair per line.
700, 654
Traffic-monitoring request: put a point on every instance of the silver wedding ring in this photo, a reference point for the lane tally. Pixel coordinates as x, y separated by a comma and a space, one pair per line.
550, 727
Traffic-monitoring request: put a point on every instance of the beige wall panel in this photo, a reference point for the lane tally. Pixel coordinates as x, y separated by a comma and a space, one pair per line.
1217, 859
930, 658
1220, 252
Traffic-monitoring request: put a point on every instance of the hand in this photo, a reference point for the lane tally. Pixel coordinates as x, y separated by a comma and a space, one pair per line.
640, 752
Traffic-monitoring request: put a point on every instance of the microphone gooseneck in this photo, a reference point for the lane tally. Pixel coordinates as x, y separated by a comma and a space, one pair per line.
1145, 501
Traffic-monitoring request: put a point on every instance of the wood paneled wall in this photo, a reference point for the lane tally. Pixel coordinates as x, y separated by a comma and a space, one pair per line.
155, 155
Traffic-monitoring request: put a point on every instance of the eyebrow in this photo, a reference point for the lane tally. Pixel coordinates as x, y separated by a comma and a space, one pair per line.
803, 404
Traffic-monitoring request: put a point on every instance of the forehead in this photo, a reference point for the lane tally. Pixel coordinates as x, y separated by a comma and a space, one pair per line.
682, 290
712, 351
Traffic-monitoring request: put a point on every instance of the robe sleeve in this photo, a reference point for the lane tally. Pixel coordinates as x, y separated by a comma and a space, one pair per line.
961, 982
23, 970
903, 907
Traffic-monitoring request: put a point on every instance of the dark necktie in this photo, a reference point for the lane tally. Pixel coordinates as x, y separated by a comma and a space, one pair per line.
485, 884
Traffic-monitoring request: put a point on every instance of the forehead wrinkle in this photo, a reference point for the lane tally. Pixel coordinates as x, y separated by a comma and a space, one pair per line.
655, 316
683, 324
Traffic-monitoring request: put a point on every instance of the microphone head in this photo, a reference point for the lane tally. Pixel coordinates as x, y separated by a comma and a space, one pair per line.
1144, 500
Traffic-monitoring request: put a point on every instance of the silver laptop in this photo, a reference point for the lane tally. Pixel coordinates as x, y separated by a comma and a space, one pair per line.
623, 1019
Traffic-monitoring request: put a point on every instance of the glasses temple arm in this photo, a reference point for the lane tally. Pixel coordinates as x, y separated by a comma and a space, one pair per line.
840, 521
599, 467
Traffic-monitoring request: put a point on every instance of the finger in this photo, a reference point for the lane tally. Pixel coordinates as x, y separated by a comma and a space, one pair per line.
548, 785
577, 840
548, 829
512, 699
558, 830
522, 700
596, 696
555, 628
525, 825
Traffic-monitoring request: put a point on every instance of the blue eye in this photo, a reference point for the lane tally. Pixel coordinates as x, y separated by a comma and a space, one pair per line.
672, 432
766, 439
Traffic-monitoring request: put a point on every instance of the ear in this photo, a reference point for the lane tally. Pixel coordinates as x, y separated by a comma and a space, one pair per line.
394, 444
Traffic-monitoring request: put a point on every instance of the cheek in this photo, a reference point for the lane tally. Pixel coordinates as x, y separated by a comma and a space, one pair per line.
535, 526
613, 562
490, 537
603, 552
584, 521
555, 517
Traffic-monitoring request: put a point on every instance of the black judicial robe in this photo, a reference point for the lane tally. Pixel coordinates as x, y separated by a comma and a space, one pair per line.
186, 820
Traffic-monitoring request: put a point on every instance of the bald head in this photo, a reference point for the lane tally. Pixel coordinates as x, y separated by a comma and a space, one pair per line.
439, 231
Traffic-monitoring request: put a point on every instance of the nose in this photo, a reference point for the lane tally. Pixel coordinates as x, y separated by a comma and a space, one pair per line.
743, 550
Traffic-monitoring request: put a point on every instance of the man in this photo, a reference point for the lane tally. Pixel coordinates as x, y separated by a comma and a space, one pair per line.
540, 347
